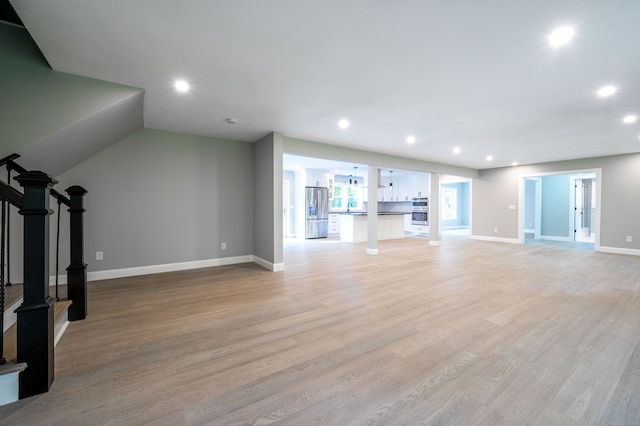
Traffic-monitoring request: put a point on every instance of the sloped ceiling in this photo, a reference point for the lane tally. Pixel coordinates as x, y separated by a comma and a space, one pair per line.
473, 74
55, 120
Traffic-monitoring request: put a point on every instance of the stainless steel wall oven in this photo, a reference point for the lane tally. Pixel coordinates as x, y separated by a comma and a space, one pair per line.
420, 211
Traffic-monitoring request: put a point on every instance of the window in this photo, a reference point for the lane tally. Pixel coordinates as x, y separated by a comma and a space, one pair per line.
336, 203
346, 197
449, 203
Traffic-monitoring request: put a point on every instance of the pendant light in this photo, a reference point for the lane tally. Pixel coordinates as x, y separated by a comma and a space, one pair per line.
355, 172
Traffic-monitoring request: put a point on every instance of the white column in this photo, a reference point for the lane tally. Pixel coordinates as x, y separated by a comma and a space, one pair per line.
372, 209
434, 210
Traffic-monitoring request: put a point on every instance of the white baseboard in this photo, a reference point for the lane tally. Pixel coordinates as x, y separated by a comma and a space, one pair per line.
434, 243
552, 238
273, 267
169, 267
372, 252
618, 250
495, 239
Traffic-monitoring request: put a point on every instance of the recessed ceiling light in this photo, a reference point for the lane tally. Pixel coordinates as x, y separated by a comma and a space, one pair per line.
181, 86
456, 150
411, 139
515, 163
561, 36
605, 91
630, 119
343, 124
489, 157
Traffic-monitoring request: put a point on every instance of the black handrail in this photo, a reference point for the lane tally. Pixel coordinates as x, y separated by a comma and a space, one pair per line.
9, 162
12, 195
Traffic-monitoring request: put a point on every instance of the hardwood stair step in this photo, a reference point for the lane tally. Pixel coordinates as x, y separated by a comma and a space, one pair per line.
10, 336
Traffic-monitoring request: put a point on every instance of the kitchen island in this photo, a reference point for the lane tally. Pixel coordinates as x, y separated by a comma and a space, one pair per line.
354, 227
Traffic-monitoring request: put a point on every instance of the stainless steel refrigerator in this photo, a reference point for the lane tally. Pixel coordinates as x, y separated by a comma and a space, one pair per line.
316, 212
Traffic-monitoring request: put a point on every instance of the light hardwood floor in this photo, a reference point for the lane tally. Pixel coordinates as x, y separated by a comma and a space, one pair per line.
466, 333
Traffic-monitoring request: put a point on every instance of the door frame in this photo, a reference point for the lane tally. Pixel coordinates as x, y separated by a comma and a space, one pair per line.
597, 221
537, 214
572, 209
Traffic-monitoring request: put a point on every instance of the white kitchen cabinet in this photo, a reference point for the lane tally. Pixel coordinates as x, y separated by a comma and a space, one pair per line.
318, 178
420, 229
420, 185
354, 228
402, 189
407, 223
334, 224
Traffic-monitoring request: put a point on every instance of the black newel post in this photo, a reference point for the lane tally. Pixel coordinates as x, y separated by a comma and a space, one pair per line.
77, 270
35, 315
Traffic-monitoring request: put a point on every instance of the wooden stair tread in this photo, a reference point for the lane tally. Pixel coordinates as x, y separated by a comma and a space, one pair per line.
10, 336
59, 308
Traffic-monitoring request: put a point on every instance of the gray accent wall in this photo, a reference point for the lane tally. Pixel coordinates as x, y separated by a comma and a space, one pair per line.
159, 197
267, 218
495, 189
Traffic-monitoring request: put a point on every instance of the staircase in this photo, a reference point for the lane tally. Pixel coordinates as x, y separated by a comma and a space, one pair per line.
9, 372
32, 320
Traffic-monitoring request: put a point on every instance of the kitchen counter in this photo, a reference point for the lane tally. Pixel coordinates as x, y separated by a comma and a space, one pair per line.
354, 226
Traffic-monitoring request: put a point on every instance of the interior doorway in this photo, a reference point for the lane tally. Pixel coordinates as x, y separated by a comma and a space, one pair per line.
561, 208
455, 206
584, 206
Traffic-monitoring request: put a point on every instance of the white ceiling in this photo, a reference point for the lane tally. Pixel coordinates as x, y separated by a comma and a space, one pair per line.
477, 74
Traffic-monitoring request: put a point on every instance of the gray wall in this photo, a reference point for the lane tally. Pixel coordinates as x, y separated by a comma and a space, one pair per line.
529, 204
267, 178
158, 197
495, 189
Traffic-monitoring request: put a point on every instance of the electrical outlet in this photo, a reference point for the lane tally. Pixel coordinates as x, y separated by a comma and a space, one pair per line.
629, 239
223, 246
495, 229
99, 255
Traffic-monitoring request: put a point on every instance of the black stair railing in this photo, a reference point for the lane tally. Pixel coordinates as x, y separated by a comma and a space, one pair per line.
35, 314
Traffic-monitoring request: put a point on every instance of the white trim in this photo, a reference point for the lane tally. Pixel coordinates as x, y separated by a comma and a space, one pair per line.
618, 250
372, 252
434, 243
496, 239
273, 267
60, 327
552, 238
169, 267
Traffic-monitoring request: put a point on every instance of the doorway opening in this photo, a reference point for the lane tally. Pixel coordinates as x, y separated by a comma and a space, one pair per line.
455, 206
584, 206
561, 208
